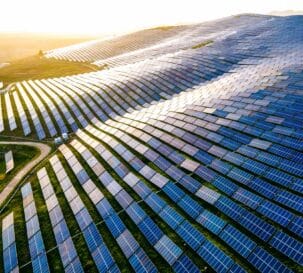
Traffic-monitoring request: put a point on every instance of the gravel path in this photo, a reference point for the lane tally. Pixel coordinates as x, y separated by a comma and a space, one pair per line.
44, 151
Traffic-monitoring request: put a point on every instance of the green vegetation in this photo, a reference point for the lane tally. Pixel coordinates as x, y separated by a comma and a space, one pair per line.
205, 43
22, 155
36, 67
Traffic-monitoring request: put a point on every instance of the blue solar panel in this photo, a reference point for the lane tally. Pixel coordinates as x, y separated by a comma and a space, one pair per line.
190, 183
257, 226
141, 263
104, 208
263, 187
155, 202
289, 199
162, 163
211, 221
171, 217
278, 177
93, 238
289, 246
175, 173
225, 185
240, 176
10, 258
230, 208
61, 232
124, 199
102, 258
40, 264
265, 262
220, 166
268, 158
74, 267
234, 158
142, 190
206, 174
254, 167
173, 191
36, 245
82, 176
184, 264
169, 251
296, 226
275, 213
248, 198
150, 230
190, 206
203, 157
83, 218
237, 240
8, 236
115, 225
190, 235
136, 213
127, 243
176, 157
67, 252
215, 257
297, 185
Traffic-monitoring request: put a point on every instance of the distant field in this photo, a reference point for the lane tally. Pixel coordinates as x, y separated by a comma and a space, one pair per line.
19, 45
35, 67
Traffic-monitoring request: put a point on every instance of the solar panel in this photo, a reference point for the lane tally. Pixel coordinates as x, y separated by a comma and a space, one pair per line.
275, 213
150, 230
190, 235
168, 250
265, 262
127, 243
237, 240
215, 257
289, 246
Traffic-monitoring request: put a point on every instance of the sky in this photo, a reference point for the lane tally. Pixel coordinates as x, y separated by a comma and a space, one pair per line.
117, 16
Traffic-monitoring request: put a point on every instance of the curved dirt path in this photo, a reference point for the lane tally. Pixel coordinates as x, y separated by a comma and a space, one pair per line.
44, 151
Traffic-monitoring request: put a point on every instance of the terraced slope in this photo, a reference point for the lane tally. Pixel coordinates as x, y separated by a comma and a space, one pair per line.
181, 158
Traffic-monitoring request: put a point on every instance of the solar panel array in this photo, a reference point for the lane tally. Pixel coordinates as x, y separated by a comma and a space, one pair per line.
9, 161
182, 158
9, 245
35, 241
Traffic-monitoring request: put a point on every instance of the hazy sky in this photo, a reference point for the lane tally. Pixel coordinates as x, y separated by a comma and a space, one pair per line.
107, 16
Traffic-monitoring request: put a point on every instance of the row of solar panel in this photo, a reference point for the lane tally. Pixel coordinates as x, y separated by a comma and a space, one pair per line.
235, 173
173, 219
168, 215
9, 245
169, 250
202, 156
293, 226
136, 255
68, 88
35, 241
95, 243
68, 253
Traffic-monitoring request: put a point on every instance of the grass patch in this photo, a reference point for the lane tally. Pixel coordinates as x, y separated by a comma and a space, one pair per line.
37, 67
22, 154
205, 43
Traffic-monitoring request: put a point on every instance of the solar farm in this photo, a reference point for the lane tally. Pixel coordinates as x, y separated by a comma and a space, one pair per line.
184, 153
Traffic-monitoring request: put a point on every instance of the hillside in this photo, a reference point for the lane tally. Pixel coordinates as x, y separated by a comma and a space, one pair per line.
183, 153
